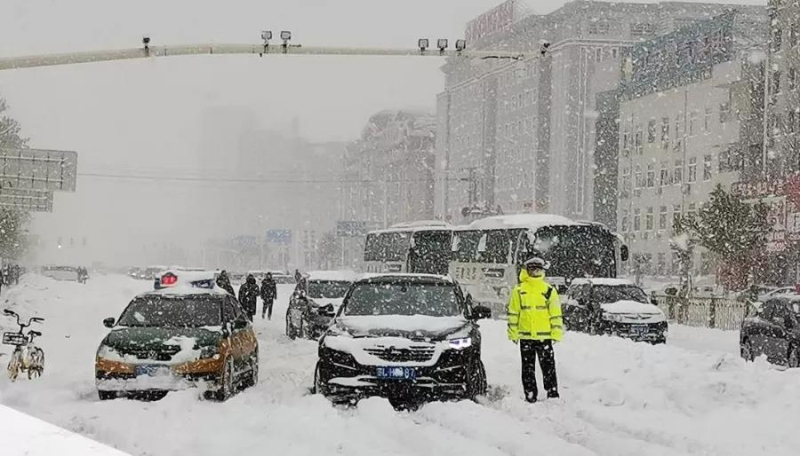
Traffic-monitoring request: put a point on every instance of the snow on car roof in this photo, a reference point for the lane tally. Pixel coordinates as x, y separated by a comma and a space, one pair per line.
518, 221
602, 281
185, 289
400, 275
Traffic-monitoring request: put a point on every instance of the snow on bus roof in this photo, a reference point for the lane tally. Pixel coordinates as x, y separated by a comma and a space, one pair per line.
517, 221
425, 225
334, 276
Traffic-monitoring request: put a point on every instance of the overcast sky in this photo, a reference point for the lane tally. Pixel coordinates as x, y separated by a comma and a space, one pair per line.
145, 115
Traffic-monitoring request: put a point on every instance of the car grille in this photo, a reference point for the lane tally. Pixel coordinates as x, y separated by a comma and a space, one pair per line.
162, 354
403, 355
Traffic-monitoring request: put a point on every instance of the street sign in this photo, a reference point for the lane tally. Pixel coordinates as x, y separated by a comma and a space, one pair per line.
26, 200
351, 229
282, 237
37, 169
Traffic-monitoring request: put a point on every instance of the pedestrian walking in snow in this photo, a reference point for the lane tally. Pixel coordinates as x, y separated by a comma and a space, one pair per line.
224, 282
248, 296
269, 292
534, 322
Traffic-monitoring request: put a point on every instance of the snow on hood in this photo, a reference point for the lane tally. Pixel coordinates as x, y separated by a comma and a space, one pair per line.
421, 326
631, 307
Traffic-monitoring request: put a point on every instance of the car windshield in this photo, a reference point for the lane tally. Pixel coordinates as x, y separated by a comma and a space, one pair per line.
157, 311
609, 293
327, 289
437, 300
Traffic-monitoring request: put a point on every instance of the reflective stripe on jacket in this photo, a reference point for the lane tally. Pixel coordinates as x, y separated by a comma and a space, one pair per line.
534, 310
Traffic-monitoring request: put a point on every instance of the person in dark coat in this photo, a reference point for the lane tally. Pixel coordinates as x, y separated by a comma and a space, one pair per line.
269, 291
298, 276
248, 296
224, 282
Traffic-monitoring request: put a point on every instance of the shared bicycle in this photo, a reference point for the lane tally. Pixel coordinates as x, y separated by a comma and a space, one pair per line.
27, 357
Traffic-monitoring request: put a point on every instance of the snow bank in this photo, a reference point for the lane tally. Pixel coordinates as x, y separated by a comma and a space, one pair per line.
693, 396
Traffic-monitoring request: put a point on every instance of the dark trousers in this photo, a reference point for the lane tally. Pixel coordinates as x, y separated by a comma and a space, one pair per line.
267, 308
542, 349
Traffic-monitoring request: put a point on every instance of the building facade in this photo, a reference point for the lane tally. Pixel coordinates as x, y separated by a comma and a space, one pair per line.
690, 116
521, 134
388, 174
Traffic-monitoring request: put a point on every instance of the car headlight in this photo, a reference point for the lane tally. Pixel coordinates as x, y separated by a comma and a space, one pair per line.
461, 343
209, 352
107, 352
612, 317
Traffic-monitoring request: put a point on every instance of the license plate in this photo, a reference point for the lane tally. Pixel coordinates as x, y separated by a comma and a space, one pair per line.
153, 371
639, 330
396, 373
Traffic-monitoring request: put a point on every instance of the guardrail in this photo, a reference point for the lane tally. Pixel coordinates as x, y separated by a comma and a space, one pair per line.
719, 313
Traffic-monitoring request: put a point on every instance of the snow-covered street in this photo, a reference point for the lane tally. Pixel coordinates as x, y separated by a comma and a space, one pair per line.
692, 396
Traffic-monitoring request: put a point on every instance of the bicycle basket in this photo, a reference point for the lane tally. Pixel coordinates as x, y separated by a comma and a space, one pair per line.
11, 338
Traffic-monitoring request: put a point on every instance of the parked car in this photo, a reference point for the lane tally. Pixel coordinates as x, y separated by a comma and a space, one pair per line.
315, 301
614, 307
771, 329
178, 338
407, 337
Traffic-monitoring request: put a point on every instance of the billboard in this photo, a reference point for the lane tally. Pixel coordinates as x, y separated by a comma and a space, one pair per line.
38, 169
26, 200
281, 237
491, 21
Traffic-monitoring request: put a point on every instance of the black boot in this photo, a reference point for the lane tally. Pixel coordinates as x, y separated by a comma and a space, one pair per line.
553, 395
530, 397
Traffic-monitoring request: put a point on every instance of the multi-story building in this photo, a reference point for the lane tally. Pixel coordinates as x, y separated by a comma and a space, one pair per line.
388, 173
521, 134
690, 116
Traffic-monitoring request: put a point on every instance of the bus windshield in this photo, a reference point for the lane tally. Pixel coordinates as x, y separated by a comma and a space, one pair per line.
388, 246
487, 246
577, 251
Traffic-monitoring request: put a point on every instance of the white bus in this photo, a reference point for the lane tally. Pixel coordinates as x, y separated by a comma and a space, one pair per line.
416, 247
487, 254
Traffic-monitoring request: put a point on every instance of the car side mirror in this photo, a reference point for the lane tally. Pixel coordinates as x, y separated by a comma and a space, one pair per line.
481, 312
109, 322
326, 311
654, 301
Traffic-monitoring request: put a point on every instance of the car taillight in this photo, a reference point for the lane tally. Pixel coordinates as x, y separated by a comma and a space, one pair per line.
168, 279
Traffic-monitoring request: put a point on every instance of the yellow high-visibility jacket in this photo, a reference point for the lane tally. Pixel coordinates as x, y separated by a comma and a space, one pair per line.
534, 311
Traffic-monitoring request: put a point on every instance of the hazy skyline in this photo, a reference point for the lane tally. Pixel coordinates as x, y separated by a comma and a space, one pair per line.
145, 116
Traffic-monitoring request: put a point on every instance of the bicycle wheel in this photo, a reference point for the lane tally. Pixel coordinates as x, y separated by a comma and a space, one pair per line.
14, 366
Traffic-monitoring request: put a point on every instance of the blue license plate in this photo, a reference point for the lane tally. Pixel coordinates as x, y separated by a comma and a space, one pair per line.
639, 330
153, 370
396, 373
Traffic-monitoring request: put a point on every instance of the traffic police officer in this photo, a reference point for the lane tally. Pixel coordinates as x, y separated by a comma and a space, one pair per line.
534, 321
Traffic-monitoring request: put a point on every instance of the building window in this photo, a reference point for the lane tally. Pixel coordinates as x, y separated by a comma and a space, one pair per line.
677, 146
651, 176
724, 112
707, 120
662, 218
676, 215
638, 140
614, 53
651, 131
661, 269
626, 143
598, 27
665, 174
642, 29
677, 174
692, 211
707, 161
648, 221
692, 176
692, 123
639, 179
626, 181
637, 220
624, 221
665, 132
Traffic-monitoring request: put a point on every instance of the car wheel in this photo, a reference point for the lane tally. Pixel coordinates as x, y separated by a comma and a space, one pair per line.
476, 380
794, 357
747, 350
253, 365
319, 386
226, 382
106, 395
